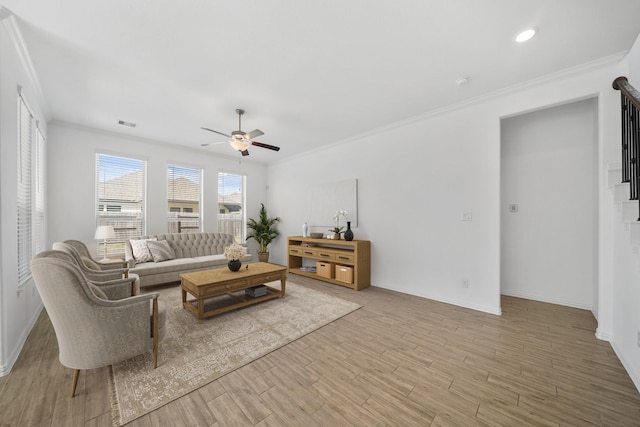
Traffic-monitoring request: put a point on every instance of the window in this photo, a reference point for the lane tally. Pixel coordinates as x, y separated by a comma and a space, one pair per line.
120, 199
231, 219
183, 198
25, 122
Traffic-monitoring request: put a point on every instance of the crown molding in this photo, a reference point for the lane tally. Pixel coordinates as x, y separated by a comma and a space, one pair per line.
10, 23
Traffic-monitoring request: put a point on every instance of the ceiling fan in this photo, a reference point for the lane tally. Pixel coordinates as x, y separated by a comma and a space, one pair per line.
239, 140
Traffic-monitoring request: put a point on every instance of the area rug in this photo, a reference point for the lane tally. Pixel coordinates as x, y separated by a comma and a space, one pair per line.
193, 354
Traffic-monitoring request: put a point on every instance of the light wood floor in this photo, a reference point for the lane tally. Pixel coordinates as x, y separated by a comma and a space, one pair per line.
398, 361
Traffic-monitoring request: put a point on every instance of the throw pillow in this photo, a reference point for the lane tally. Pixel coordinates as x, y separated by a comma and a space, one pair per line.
160, 250
140, 250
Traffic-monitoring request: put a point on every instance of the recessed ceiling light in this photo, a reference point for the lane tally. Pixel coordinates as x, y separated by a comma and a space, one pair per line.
525, 35
123, 123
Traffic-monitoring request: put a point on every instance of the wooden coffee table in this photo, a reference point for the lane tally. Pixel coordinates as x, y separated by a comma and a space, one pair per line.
218, 282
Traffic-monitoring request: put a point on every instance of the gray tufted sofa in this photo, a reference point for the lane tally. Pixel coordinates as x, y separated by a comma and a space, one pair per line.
193, 251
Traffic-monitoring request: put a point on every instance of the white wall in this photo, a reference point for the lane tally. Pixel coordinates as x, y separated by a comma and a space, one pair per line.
412, 191
72, 154
549, 246
19, 307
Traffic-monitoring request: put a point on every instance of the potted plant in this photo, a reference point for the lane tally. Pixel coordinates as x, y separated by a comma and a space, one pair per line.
263, 231
337, 230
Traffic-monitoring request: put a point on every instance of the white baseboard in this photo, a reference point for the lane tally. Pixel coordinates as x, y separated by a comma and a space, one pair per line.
5, 369
540, 298
460, 303
633, 374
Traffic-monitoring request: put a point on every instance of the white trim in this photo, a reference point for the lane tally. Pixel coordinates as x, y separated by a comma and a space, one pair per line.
8, 19
497, 311
533, 297
11, 360
634, 375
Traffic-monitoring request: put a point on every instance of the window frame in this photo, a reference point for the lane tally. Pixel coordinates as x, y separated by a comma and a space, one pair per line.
119, 218
179, 210
241, 238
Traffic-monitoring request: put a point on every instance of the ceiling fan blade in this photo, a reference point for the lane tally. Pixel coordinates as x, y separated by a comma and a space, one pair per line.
206, 144
267, 146
245, 152
253, 134
215, 131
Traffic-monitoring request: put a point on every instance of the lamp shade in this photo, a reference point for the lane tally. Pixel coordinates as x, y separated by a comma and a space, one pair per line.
239, 144
104, 232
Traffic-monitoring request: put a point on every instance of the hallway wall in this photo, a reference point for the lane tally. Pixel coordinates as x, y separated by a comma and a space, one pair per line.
549, 170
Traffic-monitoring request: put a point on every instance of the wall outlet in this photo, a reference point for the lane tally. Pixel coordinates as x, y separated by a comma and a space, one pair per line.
465, 284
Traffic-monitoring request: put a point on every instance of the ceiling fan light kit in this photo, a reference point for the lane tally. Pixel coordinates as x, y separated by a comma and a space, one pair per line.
240, 140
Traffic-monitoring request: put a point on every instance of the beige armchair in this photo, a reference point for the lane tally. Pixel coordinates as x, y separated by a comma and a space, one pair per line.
93, 331
92, 269
112, 289
85, 254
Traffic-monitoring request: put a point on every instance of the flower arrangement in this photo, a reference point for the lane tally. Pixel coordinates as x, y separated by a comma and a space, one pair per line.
234, 252
336, 218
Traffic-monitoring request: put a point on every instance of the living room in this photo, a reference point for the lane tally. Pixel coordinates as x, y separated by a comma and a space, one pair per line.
412, 193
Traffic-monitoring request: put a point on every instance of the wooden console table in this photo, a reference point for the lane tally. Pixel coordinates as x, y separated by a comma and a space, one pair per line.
222, 281
355, 255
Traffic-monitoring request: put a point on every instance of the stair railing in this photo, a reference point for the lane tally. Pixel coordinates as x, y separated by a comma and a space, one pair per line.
630, 107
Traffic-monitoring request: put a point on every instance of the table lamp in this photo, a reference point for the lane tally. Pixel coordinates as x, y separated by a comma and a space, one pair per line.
104, 232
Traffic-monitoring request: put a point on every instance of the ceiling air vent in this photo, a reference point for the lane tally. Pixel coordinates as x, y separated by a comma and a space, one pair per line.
123, 123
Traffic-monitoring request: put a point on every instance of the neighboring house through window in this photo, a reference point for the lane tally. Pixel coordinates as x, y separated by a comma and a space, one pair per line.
120, 199
183, 194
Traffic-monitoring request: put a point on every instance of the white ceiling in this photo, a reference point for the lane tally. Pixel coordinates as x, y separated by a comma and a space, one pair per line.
308, 73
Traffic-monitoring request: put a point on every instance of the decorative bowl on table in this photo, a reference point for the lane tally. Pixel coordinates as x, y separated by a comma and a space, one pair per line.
316, 235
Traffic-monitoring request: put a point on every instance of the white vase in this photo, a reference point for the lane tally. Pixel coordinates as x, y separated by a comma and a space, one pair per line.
305, 230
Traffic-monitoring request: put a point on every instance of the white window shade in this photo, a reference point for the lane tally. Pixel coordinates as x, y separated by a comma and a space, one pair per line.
24, 199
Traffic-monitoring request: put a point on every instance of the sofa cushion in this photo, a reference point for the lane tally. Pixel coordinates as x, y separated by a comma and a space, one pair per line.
140, 250
190, 245
160, 250
178, 264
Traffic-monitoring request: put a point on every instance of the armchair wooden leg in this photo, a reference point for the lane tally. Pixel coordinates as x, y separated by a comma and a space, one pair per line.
155, 333
76, 373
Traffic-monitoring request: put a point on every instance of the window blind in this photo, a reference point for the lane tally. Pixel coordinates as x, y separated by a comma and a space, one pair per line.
24, 199
231, 201
183, 199
120, 199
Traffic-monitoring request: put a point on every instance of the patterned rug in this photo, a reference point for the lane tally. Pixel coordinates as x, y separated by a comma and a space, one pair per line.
193, 354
